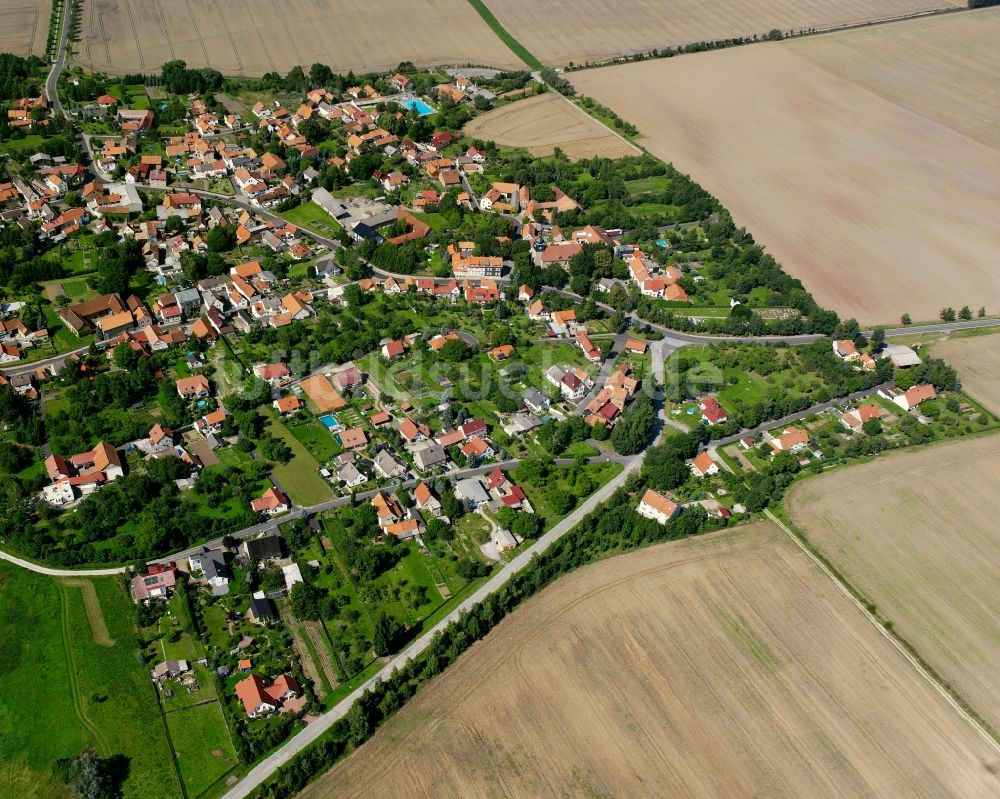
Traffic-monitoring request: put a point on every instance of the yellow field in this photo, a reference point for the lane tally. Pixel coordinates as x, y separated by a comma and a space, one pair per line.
24, 26
546, 121
563, 31
877, 208
977, 360
725, 666
258, 36
917, 534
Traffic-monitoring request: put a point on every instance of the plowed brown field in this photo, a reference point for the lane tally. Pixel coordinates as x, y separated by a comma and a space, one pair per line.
877, 200
725, 666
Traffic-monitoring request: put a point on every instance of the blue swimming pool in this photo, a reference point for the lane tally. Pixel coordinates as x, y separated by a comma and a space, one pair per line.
419, 106
329, 421
661, 243
202, 403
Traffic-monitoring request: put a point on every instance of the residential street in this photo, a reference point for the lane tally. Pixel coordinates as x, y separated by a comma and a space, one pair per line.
289, 749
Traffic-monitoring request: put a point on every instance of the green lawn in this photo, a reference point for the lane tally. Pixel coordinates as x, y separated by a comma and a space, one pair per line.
646, 185
34, 675
114, 692
214, 617
315, 438
435, 222
29, 143
205, 751
131, 95
300, 476
310, 215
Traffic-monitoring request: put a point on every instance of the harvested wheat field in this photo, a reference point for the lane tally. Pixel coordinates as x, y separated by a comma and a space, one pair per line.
24, 26
591, 31
977, 360
917, 534
812, 164
258, 36
916, 66
723, 666
546, 121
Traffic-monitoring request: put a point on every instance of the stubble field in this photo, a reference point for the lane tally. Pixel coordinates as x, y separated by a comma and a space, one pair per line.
24, 26
544, 122
876, 203
977, 360
917, 534
722, 666
257, 36
590, 30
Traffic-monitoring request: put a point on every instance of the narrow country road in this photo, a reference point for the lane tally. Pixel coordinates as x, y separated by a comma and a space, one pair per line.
268, 525
52, 81
794, 417
34, 567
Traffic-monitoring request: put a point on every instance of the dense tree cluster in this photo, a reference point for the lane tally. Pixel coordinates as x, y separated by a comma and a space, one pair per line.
20, 77
633, 429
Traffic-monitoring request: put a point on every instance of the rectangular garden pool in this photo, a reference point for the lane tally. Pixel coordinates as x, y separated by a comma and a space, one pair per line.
329, 421
419, 106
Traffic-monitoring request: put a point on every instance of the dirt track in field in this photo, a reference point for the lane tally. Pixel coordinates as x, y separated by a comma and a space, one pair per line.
258, 36
95, 616
917, 534
563, 31
544, 122
725, 666
878, 204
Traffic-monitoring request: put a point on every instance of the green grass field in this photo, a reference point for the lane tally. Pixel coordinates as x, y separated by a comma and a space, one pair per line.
310, 215
315, 438
435, 222
113, 691
300, 476
34, 675
27, 144
204, 749
647, 185
61, 691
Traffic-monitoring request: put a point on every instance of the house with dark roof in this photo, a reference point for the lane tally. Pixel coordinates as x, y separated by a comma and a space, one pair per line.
261, 610
267, 547
212, 564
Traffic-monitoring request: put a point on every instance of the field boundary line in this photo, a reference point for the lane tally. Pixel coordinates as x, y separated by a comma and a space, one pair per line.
638, 149
504, 35
633, 58
950, 695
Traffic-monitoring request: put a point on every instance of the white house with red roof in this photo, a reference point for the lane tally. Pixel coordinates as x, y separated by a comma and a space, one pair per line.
712, 412
272, 502
703, 465
658, 507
